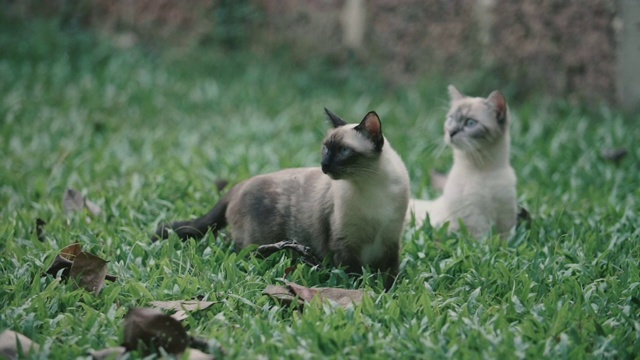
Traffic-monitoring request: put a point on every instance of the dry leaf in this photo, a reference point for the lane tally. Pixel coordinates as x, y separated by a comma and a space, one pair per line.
40, 230
109, 353
180, 315
73, 201
60, 263
195, 354
305, 252
70, 252
438, 180
64, 260
181, 307
283, 294
93, 208
89, 272
188, 305
615, 155
342, 297
301, 294
523, 217
13, 344
150, 329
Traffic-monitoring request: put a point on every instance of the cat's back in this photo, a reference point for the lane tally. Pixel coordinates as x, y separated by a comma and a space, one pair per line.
268, 208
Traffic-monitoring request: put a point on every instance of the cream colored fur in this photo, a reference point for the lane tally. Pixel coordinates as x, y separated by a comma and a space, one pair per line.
481, 187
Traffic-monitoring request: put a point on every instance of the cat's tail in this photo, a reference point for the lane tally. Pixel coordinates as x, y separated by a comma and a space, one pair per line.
213, 221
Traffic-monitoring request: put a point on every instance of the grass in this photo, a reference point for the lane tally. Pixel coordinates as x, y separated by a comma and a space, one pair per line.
145, 136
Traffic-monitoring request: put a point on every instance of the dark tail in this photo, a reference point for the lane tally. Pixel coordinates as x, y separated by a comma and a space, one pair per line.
213, 221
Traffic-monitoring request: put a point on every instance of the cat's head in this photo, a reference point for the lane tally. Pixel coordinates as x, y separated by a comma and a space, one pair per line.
352, 150
474, 123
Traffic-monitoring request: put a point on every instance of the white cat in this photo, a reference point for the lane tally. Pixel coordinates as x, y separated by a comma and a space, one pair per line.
481, 188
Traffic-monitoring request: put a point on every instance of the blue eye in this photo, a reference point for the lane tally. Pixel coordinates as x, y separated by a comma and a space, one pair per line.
344, 150
470, 122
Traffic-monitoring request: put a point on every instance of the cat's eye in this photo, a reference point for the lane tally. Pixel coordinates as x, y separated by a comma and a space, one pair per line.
324, 150
344, 150
470, 122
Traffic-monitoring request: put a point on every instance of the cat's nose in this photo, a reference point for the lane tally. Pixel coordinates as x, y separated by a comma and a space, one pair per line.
325, 166
453, 131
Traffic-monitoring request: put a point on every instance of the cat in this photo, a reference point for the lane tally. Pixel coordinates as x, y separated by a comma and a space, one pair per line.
480, 190
351, 208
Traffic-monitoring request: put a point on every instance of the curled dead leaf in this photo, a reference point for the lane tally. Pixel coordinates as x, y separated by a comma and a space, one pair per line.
40, 230
188, 305
89, 271
70, 252
14, 345
150, 329
93, 208
523, 217
109, 353
615, 155
181, 307
304, 252
72, 201
294, 293
65, 261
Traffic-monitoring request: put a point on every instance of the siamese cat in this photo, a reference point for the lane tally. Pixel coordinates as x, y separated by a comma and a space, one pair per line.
352, 208
480, 190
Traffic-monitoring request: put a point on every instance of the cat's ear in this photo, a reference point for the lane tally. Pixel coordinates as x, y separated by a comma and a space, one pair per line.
371, 128
497, 100
454, 94
335, 119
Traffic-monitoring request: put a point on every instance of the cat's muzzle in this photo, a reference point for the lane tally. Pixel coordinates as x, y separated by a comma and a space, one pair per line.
330, 171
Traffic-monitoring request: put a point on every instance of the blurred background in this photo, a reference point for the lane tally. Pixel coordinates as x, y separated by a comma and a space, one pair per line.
583, 51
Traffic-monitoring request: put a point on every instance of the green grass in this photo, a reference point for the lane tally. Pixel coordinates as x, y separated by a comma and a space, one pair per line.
145, 136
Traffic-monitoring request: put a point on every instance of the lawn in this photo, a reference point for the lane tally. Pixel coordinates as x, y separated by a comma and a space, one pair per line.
145, 134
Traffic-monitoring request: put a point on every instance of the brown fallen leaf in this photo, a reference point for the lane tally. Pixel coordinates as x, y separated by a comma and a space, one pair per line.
523, 217
93, 208
59, 263
305, 252
109, 353
72, 201
89, 271
283, 294
150, 329
342, 297
195, 354
14, 345
64, 261
438, 180
40, 230
293, 292
188, 305
70, 252
117, 352
181, 307
615, 155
